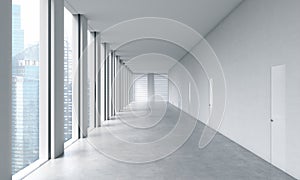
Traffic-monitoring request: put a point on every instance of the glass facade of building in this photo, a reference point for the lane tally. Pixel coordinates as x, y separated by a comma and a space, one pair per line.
68, 91
68, 75
17, 32
25, 90
25, 97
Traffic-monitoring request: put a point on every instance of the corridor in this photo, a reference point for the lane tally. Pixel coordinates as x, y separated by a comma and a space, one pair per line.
91, 158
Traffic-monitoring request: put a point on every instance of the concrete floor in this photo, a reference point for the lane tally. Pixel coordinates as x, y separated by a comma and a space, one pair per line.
104, 156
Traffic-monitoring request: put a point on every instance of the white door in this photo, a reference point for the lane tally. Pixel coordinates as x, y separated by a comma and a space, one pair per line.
190, 98
211, 96
278, 121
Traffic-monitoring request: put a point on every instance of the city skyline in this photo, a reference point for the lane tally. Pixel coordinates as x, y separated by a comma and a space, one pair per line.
25, 95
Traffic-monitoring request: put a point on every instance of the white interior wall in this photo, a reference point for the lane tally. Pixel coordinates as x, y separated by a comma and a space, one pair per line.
256, 36
187, 73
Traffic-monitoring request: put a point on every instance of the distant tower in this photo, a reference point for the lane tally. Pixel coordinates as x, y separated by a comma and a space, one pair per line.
25, 97
25, 109
68, 90
17, 32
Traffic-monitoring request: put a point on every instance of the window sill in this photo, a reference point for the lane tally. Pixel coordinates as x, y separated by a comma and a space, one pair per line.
69, 142
29, 169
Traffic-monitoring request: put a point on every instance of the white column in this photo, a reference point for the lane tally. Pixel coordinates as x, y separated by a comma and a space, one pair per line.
127, 85
5, 87
57, 78
76, 80
132, 91
150, 86
122, 86
106, 81
110, 84
102, 81
130, 86
99, 80
117, 83
44, 81
83, 77
92, 78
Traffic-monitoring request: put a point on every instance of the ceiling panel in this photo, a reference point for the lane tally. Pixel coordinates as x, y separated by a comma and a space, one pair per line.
201, 16
146, 46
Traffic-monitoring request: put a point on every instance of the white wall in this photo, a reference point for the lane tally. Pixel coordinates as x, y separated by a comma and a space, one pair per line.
257, 35
184, 74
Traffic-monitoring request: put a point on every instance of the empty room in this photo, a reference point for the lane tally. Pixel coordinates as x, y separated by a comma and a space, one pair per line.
139, 89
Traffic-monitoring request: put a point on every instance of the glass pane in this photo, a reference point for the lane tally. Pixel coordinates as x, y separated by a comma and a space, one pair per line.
25, 83
161, 87
68, 63
141, 88
90, 90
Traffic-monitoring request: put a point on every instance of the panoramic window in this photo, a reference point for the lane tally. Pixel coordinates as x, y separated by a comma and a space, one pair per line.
141, 88
161, 87
158, 87
25, 83
68, 75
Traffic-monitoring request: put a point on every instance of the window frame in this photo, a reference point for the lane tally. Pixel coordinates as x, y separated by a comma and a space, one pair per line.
75, 87
44, 99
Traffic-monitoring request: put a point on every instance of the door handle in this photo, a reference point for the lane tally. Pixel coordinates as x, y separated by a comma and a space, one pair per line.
271, 120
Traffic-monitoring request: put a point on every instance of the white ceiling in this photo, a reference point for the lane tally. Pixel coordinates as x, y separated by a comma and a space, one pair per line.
150, 55
104, 15
156, 63
146, 46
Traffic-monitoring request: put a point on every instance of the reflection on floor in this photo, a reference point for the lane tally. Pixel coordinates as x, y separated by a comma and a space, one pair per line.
155, 141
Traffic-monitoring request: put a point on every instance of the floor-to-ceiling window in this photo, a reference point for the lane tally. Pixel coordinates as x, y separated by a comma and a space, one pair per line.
161, 87
68, 75
25, 83
157, 88
141, 88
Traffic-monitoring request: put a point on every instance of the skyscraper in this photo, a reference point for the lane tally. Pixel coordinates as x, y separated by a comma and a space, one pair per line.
25, 97
25, 109
17, 32
67, 91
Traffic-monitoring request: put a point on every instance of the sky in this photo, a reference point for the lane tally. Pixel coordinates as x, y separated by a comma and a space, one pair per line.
68, 18
30, 21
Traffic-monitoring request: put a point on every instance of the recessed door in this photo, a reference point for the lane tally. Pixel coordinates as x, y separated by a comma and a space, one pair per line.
211, 96
278, 118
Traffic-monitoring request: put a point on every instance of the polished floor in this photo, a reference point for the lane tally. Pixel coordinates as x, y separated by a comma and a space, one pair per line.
155, 141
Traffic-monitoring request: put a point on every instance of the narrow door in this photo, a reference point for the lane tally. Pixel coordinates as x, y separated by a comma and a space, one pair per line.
190, 98
211, 96
278, 119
